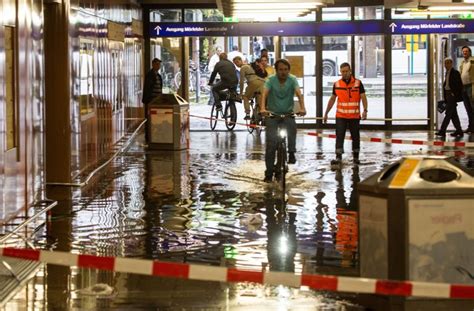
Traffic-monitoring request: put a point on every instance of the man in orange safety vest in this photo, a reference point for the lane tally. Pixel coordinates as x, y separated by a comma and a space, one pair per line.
349, 92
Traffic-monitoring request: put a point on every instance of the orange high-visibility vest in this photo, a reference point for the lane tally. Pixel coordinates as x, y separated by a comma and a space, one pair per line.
348, 99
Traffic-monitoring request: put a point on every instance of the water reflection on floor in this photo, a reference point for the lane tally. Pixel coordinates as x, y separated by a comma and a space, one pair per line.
209, 205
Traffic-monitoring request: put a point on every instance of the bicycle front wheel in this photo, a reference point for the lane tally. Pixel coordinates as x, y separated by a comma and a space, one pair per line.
230, 115
214, 116
282, 166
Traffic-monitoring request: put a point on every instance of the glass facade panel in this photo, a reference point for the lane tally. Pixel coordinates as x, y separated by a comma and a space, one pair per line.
301, 52
336, 50
401, 14
311, 17
168, 50
455, 43
336, 14
85, 75
10, 91
369, 67
166, 15
368, 12
409, 78
203, 15
257, 44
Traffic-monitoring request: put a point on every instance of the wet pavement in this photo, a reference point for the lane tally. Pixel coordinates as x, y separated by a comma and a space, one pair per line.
209, 205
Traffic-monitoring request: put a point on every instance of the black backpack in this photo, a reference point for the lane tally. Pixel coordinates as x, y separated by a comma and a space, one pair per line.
258, 71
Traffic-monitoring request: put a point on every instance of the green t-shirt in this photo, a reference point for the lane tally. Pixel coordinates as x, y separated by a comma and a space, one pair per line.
280, 97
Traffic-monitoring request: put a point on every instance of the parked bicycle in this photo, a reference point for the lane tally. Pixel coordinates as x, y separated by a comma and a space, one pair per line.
194, 72
255, 123
228, 112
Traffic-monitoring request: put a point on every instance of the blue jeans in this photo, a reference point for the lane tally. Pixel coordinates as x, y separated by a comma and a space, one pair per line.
468, 104
271, 139
341, 126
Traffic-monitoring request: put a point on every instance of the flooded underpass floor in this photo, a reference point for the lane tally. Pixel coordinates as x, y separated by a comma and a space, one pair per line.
209, 205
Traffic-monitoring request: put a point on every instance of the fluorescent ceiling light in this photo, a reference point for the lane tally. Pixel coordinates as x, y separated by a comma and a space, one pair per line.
268, 11
276, 12
277, 1
266, 16
265, 6
450, 8
425, 13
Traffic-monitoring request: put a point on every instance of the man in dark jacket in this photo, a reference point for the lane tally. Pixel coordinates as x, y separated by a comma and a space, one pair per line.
226, 70
152, 88
452, 93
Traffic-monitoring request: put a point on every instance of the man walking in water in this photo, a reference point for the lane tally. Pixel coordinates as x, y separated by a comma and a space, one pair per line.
349, 92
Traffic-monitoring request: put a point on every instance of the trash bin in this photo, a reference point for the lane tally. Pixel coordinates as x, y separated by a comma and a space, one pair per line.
416, 222
169, 123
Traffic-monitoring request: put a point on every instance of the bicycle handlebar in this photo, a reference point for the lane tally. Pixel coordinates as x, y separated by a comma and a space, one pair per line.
280, 116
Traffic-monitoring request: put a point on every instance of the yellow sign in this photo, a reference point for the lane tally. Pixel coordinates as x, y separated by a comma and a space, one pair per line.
297, 65
412, 43
404, 173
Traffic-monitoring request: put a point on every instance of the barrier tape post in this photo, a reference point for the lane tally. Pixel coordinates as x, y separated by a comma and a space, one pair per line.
223, 274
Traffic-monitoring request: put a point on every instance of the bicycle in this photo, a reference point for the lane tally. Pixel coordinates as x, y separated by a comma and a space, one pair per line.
229, 111
255, 123
281, 166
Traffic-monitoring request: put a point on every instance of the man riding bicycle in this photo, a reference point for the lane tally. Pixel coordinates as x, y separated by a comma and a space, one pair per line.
226, 70
277, 99
254, 84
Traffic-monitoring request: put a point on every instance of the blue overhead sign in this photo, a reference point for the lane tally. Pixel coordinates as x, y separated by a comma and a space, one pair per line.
265, 29
311, 29
400, 27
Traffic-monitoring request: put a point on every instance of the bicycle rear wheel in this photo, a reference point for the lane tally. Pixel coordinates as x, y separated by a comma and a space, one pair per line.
251, 122
214, 117
230, 115
259, 123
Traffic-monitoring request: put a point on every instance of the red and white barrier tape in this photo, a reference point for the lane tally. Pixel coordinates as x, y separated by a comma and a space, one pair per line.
223, 274
436, 143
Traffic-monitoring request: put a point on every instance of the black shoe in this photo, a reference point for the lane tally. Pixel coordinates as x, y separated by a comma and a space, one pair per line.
457, 134
291, 158
468, 130
247, 116
277, 176
440, 133
219, 107
336, 161
268, 179
355, 156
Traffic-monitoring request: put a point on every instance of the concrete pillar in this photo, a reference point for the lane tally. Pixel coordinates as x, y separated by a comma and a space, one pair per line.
57, 91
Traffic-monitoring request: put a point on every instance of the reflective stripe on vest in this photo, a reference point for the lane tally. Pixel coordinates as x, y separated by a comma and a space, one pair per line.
348, 99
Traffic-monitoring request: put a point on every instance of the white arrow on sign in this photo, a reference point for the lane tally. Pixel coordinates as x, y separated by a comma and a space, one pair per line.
393, 26
158, 28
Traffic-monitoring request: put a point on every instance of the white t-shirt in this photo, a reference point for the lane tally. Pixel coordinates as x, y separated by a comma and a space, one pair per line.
212, 62
233, 54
